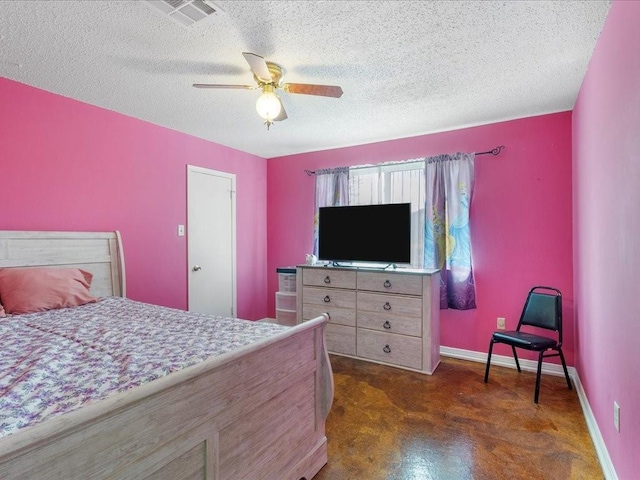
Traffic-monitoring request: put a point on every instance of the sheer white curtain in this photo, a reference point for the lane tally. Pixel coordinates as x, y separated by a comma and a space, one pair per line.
394, 183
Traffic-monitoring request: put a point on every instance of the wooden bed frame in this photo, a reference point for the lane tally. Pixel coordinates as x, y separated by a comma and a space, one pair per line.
255, 413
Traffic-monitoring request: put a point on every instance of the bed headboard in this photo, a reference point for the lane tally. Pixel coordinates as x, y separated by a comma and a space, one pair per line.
97, 252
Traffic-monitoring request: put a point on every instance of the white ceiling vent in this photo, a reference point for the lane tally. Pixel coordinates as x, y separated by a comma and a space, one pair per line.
186, 12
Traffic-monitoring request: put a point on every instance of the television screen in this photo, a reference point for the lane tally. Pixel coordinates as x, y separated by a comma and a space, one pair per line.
365, 233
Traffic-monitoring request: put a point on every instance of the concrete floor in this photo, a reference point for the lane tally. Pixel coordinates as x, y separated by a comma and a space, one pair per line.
388, 423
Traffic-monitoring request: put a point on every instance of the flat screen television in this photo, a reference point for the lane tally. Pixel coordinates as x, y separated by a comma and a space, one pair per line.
365, 233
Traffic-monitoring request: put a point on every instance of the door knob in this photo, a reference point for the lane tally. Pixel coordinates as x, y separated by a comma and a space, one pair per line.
197, 268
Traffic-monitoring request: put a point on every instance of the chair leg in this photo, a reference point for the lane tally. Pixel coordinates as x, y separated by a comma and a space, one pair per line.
535, 397
564, 367
486, 372
513, 349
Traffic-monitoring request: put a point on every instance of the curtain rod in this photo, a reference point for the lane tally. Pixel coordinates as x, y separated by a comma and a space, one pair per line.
495, 151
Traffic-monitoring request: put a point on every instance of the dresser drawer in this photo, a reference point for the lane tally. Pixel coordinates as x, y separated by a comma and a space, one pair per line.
390, 348
389, 323
390, 283
340, 339
389, 304
329, 297
327, 277
341, 316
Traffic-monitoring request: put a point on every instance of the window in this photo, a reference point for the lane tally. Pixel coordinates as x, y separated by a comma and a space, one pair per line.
394, 183
439, 190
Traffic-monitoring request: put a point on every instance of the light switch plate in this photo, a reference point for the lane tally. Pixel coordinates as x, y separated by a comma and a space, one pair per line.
181, 230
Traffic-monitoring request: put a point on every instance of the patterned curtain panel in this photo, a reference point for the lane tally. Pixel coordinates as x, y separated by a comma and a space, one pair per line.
447, 246
332, 190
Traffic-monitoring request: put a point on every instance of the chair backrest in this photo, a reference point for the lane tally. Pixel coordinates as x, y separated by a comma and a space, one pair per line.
543, 310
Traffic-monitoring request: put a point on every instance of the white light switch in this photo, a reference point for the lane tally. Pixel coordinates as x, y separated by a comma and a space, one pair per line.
181, 230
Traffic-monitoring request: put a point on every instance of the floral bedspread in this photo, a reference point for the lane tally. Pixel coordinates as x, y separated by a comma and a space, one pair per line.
57, 361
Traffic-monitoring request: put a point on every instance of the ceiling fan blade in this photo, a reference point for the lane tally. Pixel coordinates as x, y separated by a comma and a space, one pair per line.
258, 66
309, 89
283, 114
219, 85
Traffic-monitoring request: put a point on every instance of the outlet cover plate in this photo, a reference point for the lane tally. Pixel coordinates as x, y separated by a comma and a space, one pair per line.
616, 416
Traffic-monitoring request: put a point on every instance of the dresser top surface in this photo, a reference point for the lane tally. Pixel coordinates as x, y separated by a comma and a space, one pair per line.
398, 270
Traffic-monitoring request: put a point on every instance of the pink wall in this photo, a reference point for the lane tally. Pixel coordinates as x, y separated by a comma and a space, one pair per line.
521, 216
66, 165
606, 163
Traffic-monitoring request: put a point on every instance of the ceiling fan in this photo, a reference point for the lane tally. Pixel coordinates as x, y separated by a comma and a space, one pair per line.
268, 76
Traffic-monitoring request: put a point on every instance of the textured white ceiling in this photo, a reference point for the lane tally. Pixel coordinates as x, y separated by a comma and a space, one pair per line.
406, 67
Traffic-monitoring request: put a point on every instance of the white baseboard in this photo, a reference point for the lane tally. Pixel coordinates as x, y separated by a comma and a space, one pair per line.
601, 449
549, 369
506, 361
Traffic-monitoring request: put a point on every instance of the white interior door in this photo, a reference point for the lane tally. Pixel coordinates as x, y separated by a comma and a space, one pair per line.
211, 241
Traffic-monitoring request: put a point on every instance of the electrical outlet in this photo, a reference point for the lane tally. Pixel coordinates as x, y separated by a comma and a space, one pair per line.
616, 416
502, 322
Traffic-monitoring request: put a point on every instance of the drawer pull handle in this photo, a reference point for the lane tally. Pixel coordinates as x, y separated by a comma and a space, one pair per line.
386, 349
386, 306
387, 325
327, 280
387, 284
327, 299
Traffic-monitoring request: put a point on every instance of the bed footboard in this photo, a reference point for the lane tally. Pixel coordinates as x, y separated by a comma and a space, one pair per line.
255, 413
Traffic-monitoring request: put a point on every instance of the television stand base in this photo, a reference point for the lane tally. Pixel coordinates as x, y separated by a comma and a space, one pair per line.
359, 265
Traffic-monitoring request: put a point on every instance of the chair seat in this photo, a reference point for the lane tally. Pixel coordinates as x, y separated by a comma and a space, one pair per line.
524, 340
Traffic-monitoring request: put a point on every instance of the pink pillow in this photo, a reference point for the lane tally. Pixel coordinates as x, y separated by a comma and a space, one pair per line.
27, 290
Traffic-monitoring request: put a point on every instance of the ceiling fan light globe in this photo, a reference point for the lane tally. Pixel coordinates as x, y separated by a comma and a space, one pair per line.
268, 106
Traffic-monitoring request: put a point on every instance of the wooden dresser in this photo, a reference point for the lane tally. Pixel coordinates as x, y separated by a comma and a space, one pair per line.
383, 316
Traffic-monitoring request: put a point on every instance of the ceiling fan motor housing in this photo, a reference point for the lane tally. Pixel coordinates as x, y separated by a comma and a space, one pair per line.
276, 72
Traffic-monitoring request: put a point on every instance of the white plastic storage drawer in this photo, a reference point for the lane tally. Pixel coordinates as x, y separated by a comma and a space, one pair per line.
286, 301
286, 317
287, 282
